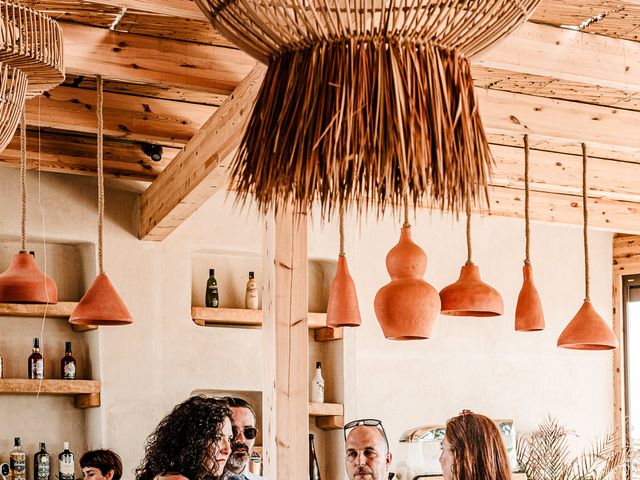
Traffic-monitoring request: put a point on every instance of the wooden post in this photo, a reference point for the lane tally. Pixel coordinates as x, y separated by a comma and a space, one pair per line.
285, 401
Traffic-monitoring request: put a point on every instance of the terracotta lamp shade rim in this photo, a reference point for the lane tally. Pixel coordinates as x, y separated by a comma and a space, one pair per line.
529, 313
342, 307
24, 282
101, 306
469, 296
588, 331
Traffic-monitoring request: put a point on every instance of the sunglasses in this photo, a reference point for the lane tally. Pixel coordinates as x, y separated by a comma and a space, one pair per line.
249, 432
366, 422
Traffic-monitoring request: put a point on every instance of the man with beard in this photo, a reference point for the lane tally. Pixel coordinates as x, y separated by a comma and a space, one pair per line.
367, 455
244, 436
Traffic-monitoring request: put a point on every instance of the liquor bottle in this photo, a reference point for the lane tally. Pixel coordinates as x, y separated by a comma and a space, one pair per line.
211, 296
314, 468
36, 362
68, 364
251, 294
317, 385
66, 465
42, 464
17, 461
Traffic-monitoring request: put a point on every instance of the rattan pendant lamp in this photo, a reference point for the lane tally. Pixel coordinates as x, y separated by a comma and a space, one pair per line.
375, 92
342, 306
23, 281
529, 314
469, 296
587, 330
101, 304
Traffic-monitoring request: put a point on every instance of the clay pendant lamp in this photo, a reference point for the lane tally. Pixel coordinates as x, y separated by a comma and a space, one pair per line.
23, 281
407, 307
587, 330
101, 304
529, 314
342, 308
469, 296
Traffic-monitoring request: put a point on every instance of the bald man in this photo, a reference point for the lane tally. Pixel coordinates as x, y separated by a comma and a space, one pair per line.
367, 455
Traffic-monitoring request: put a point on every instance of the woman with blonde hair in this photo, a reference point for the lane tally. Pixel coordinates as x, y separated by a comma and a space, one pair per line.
472, 449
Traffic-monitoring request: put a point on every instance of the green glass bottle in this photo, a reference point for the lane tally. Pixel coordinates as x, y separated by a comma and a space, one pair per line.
314, 468
211, 296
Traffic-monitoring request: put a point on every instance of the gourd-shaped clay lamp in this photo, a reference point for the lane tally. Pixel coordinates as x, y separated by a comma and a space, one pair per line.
407, 307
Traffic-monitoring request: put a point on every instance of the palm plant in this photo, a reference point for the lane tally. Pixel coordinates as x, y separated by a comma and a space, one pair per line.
545, 455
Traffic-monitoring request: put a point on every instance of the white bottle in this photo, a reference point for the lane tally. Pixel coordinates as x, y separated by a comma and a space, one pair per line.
251, 294
317, 385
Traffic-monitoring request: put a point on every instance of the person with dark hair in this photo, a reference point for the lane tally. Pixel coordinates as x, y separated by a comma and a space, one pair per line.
472, 449
193, 442
101, 465
244, 437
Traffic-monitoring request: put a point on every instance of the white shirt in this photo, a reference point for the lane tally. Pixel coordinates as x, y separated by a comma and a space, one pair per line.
248, 474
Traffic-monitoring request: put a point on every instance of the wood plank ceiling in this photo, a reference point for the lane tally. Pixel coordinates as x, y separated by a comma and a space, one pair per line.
571, 75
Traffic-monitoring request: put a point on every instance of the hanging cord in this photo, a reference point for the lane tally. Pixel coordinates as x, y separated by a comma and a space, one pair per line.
585, 214
406, 223
100, 173
469, 261
23, 182
342, 254
527, 229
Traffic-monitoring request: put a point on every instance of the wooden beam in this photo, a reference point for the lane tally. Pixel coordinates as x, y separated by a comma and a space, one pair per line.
173, 8
200, 169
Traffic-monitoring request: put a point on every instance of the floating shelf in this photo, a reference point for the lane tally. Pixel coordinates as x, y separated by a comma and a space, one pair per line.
54, 310
329, 416
86, 392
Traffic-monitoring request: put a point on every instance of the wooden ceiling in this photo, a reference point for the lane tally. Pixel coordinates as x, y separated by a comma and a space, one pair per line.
570, 75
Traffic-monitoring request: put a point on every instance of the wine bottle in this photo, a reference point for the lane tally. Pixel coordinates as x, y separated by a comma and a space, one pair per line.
42, 464
17, 461
211, 296
317, 385
36, 362
314, 468
68, 364
66, 465
251, 294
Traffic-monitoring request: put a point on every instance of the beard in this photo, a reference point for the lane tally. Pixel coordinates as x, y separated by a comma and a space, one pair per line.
238, 458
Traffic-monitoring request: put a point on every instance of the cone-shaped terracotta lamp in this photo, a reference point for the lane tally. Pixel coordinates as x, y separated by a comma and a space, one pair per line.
407, 307
342, 307
469, 296
23, 281
529, 314
587, 330
101, 304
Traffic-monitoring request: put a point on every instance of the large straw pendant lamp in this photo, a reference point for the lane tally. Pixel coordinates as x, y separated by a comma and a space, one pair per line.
469, 296
23, 281
529, 314
342, 307
101, 304
587, 330
407, 307
364, 101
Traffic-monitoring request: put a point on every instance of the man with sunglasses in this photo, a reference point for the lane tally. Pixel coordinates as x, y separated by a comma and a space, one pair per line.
244, 436
367, 455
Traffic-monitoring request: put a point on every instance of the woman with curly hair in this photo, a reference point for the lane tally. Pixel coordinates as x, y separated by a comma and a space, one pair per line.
191, 443
472, 449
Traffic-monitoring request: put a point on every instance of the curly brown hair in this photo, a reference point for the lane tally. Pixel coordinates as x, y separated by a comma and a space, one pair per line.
184, 442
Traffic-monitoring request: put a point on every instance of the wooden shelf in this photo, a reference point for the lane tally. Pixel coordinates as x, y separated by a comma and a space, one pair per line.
57, 310
329, 416
86, 392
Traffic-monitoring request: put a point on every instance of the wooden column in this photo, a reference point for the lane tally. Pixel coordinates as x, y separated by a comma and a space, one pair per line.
285, 342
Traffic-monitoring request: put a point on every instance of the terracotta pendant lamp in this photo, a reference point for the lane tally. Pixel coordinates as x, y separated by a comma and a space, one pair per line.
469, 296
23, 281
407, 307
101, 304
587, 330
529, 314
342, 307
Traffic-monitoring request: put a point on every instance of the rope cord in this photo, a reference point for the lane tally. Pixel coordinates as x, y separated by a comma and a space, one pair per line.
527, 228
23, 183
342, 254
585, 214
469, 261
100, 173
406, 223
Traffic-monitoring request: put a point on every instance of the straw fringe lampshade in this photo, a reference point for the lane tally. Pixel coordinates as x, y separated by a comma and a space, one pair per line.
587, 330
364, 99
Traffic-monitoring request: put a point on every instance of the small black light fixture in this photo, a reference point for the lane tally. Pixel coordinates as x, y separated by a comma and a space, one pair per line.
153, 151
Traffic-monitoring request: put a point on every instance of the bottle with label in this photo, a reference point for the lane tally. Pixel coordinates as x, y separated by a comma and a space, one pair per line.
36, 362
314, 468
211, 296
17, 461
317, 385
66, 465
68, 364
251, 294
42, 464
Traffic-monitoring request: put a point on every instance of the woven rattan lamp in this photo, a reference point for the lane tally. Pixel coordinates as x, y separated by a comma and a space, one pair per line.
365, 99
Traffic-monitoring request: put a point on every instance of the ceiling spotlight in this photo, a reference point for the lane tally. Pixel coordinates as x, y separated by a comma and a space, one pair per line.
153, 151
